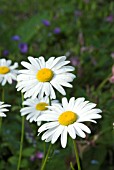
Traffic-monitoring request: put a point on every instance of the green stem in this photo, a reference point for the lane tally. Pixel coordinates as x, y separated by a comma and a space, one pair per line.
46, 158
44, 153
71, 165
103, 83
76, 154
0, 124
1, 117
21, 142
3, 95
49, 101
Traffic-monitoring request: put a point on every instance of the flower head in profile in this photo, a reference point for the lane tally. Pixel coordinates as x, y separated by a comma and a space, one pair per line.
3, 109
41, 76
36, 107
8, 72
68, 118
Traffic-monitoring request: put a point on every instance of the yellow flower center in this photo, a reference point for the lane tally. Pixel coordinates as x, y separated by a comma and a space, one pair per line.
41, 106
4, 70
44, 75
67, 118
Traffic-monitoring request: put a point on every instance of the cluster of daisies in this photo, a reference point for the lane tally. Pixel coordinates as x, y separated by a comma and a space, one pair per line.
39, 81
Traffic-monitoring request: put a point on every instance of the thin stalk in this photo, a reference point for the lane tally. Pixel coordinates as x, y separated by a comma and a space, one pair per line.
76, 154
21, 142
46, 158
46, 155
103, 83
71, 165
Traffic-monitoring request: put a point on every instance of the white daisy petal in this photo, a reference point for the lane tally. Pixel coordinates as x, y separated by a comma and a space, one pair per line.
48, 117
93, 116
48, 133
57, 133
58, 87
49, 62
71, 104
34, 62
71, 131
49, 138
8, 62
47, 88
79, 132
3, 107
83, 127
52, 92
48, 126
64, 69
78, 102
42, 62
27, 65
92, 111
58, 60
64, 102
64, 137
86, 120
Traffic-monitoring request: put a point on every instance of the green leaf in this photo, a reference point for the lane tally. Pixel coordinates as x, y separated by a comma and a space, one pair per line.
13, 160
28, 151
31, 27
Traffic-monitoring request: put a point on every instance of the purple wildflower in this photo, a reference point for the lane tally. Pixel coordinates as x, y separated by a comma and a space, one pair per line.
23, 47
46, 23
32, 158
15, 38
75, 61
39, 155
57, 30
109, 18
5, 52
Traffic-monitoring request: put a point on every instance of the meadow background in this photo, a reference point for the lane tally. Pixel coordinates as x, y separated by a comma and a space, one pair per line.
83, 30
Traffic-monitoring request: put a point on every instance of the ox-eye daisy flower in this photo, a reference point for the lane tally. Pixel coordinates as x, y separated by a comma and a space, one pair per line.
8, 72
3, 109
36, 107
68, 118
41, 76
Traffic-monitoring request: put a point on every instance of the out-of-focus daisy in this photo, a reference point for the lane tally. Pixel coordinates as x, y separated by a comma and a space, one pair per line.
8, 72
40, 77
3, 109
68, 118
35, 108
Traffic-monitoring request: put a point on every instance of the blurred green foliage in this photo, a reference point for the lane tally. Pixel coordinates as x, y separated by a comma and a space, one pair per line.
86, 33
